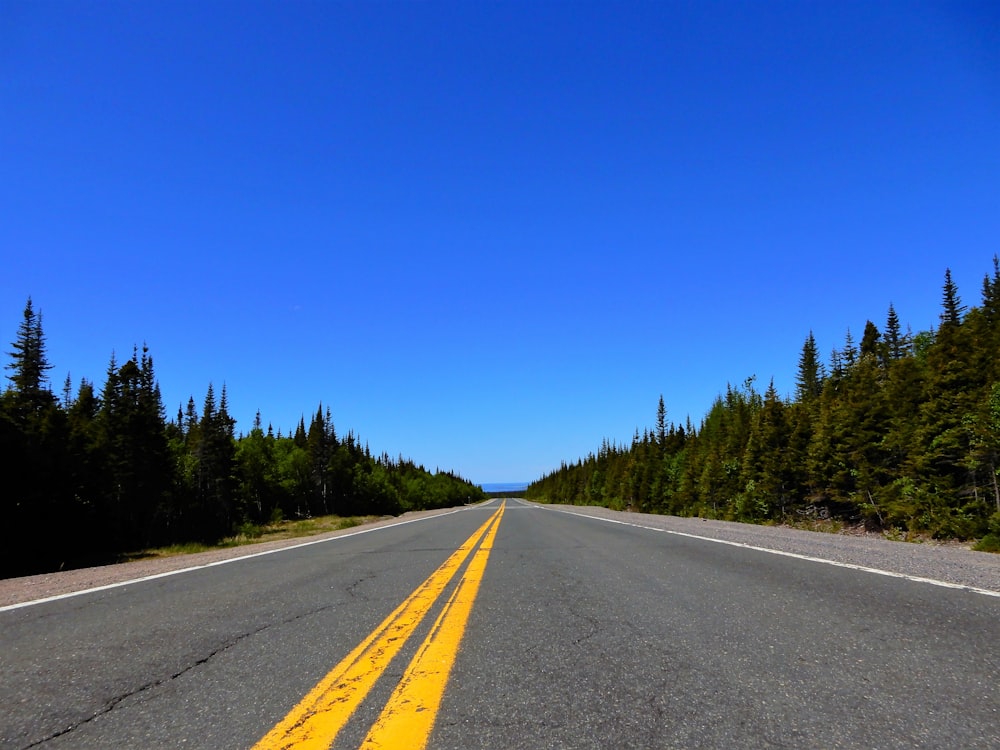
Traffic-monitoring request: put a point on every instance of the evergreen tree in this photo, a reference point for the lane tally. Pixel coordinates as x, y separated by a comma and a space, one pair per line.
259, 497
809, 381
991, 295
86, 473
952, 308
216, 455
895, 341
837, 369
110, 474
29, 363
850, 352
767, 473
870, 346
661, 424
67, 399
319, 445
33, 437
904, 432
135, 454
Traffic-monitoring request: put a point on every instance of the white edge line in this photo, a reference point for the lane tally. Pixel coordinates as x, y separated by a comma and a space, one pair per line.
153, 577
797, 556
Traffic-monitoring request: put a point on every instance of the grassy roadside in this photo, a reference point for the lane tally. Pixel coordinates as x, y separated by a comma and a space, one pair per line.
248, 534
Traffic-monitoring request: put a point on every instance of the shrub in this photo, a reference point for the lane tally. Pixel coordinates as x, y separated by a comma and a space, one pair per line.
989, 543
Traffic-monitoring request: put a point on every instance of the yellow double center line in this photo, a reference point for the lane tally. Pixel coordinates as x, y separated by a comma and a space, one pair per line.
408, 717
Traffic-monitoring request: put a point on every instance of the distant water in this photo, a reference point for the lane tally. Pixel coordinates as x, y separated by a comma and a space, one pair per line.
505, 487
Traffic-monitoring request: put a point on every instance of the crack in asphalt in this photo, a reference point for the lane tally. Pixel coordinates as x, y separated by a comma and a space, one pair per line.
595, 627
352, 591
114, 702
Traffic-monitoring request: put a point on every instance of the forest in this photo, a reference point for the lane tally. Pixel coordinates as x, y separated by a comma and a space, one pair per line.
899, 433
95, 473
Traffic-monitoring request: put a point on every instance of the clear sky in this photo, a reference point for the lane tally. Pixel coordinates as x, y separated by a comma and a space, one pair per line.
488, 234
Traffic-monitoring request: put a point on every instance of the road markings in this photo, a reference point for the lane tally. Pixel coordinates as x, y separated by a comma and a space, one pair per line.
192, 568
323, 712
408, 717
795, 555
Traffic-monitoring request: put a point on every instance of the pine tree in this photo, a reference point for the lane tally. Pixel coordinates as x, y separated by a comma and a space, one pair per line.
991, 294
86, 472
661, 424
29, 363
896, 342
837, 369
33, 443
850, 351
905, 432
809, 381
952, 308
953, 385
137, 460
226, 424
216, 456
870, 346
319, 447
766, 467
259, 497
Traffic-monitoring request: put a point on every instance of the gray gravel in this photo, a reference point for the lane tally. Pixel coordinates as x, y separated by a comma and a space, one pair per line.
949, 563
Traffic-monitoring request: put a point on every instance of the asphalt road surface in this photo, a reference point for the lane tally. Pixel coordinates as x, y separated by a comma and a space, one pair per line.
526, 628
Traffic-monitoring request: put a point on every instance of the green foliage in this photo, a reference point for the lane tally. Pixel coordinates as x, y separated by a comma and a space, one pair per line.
809, 381
249, 530
991, 540
29, 363
901, 434
108, 473
989, 543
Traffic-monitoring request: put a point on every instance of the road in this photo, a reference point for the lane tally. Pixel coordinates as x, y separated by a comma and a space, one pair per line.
528, 627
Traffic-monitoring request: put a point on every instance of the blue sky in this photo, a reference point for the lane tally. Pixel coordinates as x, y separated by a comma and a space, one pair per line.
488, 235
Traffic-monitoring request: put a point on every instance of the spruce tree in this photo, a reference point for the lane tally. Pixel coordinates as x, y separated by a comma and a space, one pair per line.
33, 442
29, 363
216, 455
766, 466
991, 294
895, 341
661, 424
258, 495
850, 351
870, 346
137, 460
318, 447
952, 308
809, 381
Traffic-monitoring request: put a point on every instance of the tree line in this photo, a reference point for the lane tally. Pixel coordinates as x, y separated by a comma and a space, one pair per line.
899, 431
99, 472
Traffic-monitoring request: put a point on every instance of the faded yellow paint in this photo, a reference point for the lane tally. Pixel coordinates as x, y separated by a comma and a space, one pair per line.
408, 718
317, 719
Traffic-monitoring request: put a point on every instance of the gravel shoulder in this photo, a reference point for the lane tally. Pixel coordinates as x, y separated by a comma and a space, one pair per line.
950, 563
32, 588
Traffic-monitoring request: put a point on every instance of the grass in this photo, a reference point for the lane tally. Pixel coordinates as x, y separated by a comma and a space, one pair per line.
989, 543
253, 534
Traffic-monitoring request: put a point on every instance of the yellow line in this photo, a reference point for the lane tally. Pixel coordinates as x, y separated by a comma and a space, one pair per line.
322, 713
408, 717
